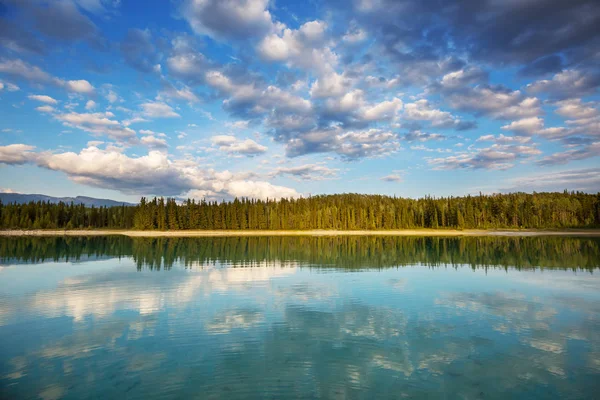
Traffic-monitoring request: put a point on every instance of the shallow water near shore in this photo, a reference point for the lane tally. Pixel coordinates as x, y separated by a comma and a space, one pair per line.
299, 317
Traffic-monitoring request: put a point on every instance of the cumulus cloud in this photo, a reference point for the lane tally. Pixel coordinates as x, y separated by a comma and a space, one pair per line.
586, 180
587, 151
11, 87
228, 19
350, 145
497, 156
155, 109
393, 178
151, 174
154, 142
43, 98
418, 136
568, 84
231, 144
97, 124
526, 126
21, 69
307, 172
247, 98
421, 110
139, 51
305, 47
16, 154
46, 109
495, 101
90, 105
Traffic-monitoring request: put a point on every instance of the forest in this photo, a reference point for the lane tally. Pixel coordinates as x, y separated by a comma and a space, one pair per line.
339, 212
347, 252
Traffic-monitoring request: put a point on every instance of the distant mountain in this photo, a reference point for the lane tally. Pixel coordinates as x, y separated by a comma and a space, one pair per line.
20, 198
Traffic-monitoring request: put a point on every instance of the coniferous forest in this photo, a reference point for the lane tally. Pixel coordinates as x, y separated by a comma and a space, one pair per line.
341, 212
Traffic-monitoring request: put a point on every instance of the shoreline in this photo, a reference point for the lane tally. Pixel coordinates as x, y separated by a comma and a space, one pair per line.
213, 233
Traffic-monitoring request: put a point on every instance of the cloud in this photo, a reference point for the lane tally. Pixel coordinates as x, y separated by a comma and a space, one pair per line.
231, 144
43, 98
21, 69
418, 136
526, 126
586, 180
248, 99
151, 174
568, 84
79, 86
509, 32
496, 102
352, 106
154, 142
350, 145
183, 93
139, 51
422, 111
307, 172
305, 47
158, 110
393, 178
97, 124
228, 19
9, 86
90, 105
498, 156
46, 109
501, 139
16, 154
587, 151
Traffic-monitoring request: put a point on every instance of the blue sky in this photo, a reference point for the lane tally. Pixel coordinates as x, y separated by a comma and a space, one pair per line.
267, 99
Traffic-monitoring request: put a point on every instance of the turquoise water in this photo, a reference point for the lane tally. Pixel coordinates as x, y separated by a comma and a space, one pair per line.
337, 318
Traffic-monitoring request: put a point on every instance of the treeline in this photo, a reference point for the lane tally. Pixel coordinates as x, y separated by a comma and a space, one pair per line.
347, 252
343, 212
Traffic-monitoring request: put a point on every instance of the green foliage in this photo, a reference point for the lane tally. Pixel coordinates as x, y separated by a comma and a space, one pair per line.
343, 212
348, 252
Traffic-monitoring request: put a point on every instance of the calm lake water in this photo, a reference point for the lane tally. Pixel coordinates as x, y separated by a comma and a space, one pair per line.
346, 317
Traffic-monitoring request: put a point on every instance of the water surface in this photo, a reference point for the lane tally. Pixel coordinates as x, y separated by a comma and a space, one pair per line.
299, 317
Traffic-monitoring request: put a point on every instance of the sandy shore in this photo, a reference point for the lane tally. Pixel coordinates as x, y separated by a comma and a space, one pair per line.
403, 232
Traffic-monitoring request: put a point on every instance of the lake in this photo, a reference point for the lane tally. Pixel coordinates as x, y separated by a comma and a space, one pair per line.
299, 317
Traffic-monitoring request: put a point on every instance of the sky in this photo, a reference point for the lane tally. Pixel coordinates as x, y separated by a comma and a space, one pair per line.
220, 99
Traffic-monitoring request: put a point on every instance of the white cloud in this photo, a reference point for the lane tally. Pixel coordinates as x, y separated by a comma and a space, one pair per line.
421, 110
16, 154
46, 109
97, 123
43, 98
330, 84
79, 86
9, 86
527, 126
309, 172
496, 102
158, 110
20, 68
393, 178
587, 180
231, 144
220, 19
249, 98
568, 84
498, 156
90, 105
305, 47
151, 174
154, 142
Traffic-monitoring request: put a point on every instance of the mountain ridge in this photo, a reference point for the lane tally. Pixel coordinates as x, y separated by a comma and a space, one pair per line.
22, 198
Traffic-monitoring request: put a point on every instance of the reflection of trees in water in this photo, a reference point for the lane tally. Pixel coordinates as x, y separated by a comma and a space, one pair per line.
343, 251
